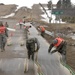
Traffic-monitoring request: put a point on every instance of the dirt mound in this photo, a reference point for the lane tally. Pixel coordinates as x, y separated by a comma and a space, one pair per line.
21, 12
7, 9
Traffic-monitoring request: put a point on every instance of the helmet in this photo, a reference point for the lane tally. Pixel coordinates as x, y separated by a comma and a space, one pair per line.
55, 41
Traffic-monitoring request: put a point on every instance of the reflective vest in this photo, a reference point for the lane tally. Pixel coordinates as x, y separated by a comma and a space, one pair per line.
59, 41
2, 29
42, 28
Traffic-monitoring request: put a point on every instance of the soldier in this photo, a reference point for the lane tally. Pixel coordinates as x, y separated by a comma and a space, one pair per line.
42, 30
59, 44
6, 24
20, 23
24, 19
3, 34
33, 46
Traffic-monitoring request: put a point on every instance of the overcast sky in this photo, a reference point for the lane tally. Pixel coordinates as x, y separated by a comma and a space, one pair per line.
28, 3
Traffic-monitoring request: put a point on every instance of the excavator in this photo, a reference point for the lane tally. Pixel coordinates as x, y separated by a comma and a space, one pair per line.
50, 18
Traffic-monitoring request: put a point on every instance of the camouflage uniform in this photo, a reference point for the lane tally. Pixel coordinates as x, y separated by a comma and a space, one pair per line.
61, 48
31, 47
3, 38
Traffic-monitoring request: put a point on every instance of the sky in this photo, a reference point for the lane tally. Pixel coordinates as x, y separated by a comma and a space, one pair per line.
28, 3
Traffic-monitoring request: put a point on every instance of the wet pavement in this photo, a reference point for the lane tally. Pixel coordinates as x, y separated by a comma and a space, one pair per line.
12, 60
14, 66
50, 63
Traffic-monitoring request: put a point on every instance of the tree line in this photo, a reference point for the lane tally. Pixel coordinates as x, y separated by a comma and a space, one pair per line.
64, 5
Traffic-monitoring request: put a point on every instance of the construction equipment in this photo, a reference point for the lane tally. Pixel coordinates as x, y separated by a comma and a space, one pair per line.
50, 18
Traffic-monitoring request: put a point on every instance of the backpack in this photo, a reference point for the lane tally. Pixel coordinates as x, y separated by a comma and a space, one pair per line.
30, 43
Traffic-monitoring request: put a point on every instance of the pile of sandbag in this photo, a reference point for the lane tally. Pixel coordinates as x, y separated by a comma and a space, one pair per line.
21, 41
9, 41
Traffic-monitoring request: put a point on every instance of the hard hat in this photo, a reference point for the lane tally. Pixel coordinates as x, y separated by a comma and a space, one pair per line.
55, 41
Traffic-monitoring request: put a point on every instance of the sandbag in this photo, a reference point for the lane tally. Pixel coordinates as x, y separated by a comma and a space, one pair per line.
21, 41
9, 41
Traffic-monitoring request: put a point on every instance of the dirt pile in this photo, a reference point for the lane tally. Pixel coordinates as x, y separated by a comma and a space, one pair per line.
7, 9
21, 12
29, 13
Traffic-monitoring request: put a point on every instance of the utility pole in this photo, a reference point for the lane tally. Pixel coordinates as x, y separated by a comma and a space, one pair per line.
61, 4
45, 11
51, 9
50, 18
61, 8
